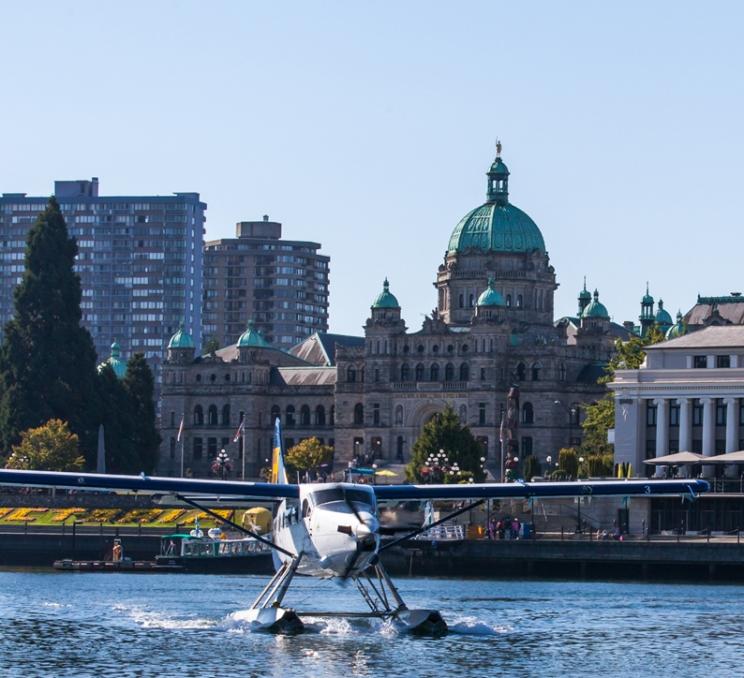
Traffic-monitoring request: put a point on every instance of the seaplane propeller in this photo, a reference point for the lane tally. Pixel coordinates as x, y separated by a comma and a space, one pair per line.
364, 533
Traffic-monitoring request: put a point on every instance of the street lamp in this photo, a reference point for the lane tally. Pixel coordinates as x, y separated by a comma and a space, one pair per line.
222, 464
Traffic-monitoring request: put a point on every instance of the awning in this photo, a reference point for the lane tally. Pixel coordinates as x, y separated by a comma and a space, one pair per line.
728, 458
679, 458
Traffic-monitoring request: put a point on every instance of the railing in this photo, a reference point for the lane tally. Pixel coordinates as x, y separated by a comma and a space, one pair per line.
443, 533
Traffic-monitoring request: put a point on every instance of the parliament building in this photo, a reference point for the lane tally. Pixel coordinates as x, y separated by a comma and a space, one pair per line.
369, 396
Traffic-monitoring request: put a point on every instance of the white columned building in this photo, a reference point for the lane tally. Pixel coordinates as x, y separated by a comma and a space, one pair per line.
686, 397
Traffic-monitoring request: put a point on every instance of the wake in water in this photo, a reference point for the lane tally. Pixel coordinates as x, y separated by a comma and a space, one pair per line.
148, 619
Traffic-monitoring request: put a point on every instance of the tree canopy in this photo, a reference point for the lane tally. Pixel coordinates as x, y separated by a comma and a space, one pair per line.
139, 386
445, 432
308, 455
47, 359
51, 447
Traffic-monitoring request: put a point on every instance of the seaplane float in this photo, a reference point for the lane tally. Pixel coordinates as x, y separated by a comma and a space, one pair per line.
332, 530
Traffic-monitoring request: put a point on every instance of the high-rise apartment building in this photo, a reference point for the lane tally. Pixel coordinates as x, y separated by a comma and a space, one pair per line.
140, 262
281, 285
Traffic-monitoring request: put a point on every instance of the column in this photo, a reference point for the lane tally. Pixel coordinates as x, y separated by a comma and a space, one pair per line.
709, 433
685, 425
732, 430
662, 432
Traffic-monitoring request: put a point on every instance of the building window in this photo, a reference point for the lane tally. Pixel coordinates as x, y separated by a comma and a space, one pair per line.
464, 372
483, 373
674, 414
521, 372
304, 416
562, 372
320, 418
399, 448
399, 415
275, 414
198, 416
481, 414
211, 447
526, 446
723, 361
172, 448
419, 372
434, 372
197, 448
212, 415
519, 301
508, 300
289, 415
351, 375
449, 372
650, 414
536, 372
332, 415
376, 448
700, 362
720, 413
697, 413
405, 372
528, 414
226, 415
376, 414
359, 414
173, 419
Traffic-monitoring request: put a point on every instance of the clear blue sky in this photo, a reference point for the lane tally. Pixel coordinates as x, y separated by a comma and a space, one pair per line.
369, 126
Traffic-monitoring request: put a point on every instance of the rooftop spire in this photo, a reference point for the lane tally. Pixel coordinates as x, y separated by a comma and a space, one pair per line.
498, 180
498, 148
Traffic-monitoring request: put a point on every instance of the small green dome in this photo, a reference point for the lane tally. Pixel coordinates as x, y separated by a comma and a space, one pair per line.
647, 300
679, 329
118, 365
596, 309
252, 338
386, 299
181, 339
490, 296
662, 315
585, 294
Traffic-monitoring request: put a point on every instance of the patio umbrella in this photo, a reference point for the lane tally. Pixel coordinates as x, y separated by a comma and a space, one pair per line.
386, 473
728, 458
679, 458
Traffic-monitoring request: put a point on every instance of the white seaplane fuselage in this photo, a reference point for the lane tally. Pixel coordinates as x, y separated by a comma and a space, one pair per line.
322, 527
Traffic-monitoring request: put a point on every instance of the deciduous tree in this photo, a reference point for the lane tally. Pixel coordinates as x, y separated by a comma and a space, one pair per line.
51, 447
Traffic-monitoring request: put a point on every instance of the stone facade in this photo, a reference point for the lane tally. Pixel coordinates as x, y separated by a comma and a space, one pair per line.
493, 327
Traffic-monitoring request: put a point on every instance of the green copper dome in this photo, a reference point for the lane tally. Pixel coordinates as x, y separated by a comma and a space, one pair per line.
490, 296
662, 315
497, 225
677, 330
118, 365
648, 299
252, 338
386, 299
596, 309
181, 339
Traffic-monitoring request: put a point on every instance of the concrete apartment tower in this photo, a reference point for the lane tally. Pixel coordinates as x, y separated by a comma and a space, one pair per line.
281, 285
140, 262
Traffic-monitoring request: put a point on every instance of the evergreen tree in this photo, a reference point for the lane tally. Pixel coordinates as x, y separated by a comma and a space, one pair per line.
47, 359
445, 432
139, 386
116, 415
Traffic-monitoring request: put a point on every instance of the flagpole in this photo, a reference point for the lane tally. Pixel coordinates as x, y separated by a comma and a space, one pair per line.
242, 454
183, 442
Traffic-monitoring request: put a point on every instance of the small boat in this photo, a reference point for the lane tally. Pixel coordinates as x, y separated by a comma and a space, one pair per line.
124, 565
215, 552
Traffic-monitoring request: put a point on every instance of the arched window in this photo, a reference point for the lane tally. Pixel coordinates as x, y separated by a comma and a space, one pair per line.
320, 415
198, 416
471, 300
172, 448
351, 374
536, 371
332, 415
574, 414
449, 372
197, 449
528, 414
434, 372
519, 301
276, 413
521, 372
212, 415
359, 414
399, 448
226, 415
304, 416
289, 415
508, 299
173, 419
405, 372
419, 372
461, 301
464, 372
562, 372
399, 415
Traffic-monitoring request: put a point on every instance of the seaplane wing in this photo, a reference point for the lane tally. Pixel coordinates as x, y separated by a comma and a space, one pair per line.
528, 490
194, 488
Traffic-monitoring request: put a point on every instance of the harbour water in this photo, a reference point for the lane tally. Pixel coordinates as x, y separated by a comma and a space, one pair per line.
65, 624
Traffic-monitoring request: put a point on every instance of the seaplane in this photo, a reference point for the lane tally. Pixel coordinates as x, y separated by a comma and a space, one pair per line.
332, 530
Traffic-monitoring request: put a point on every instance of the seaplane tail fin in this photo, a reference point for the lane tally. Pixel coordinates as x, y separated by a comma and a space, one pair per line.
278, 471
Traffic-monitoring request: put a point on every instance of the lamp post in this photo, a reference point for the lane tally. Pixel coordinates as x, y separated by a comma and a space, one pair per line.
222, 464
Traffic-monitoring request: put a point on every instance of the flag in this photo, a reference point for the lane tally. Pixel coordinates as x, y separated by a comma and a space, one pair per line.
239, 432
180, 429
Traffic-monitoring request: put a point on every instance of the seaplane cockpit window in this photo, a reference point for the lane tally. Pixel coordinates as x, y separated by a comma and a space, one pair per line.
337, 494
305, 508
